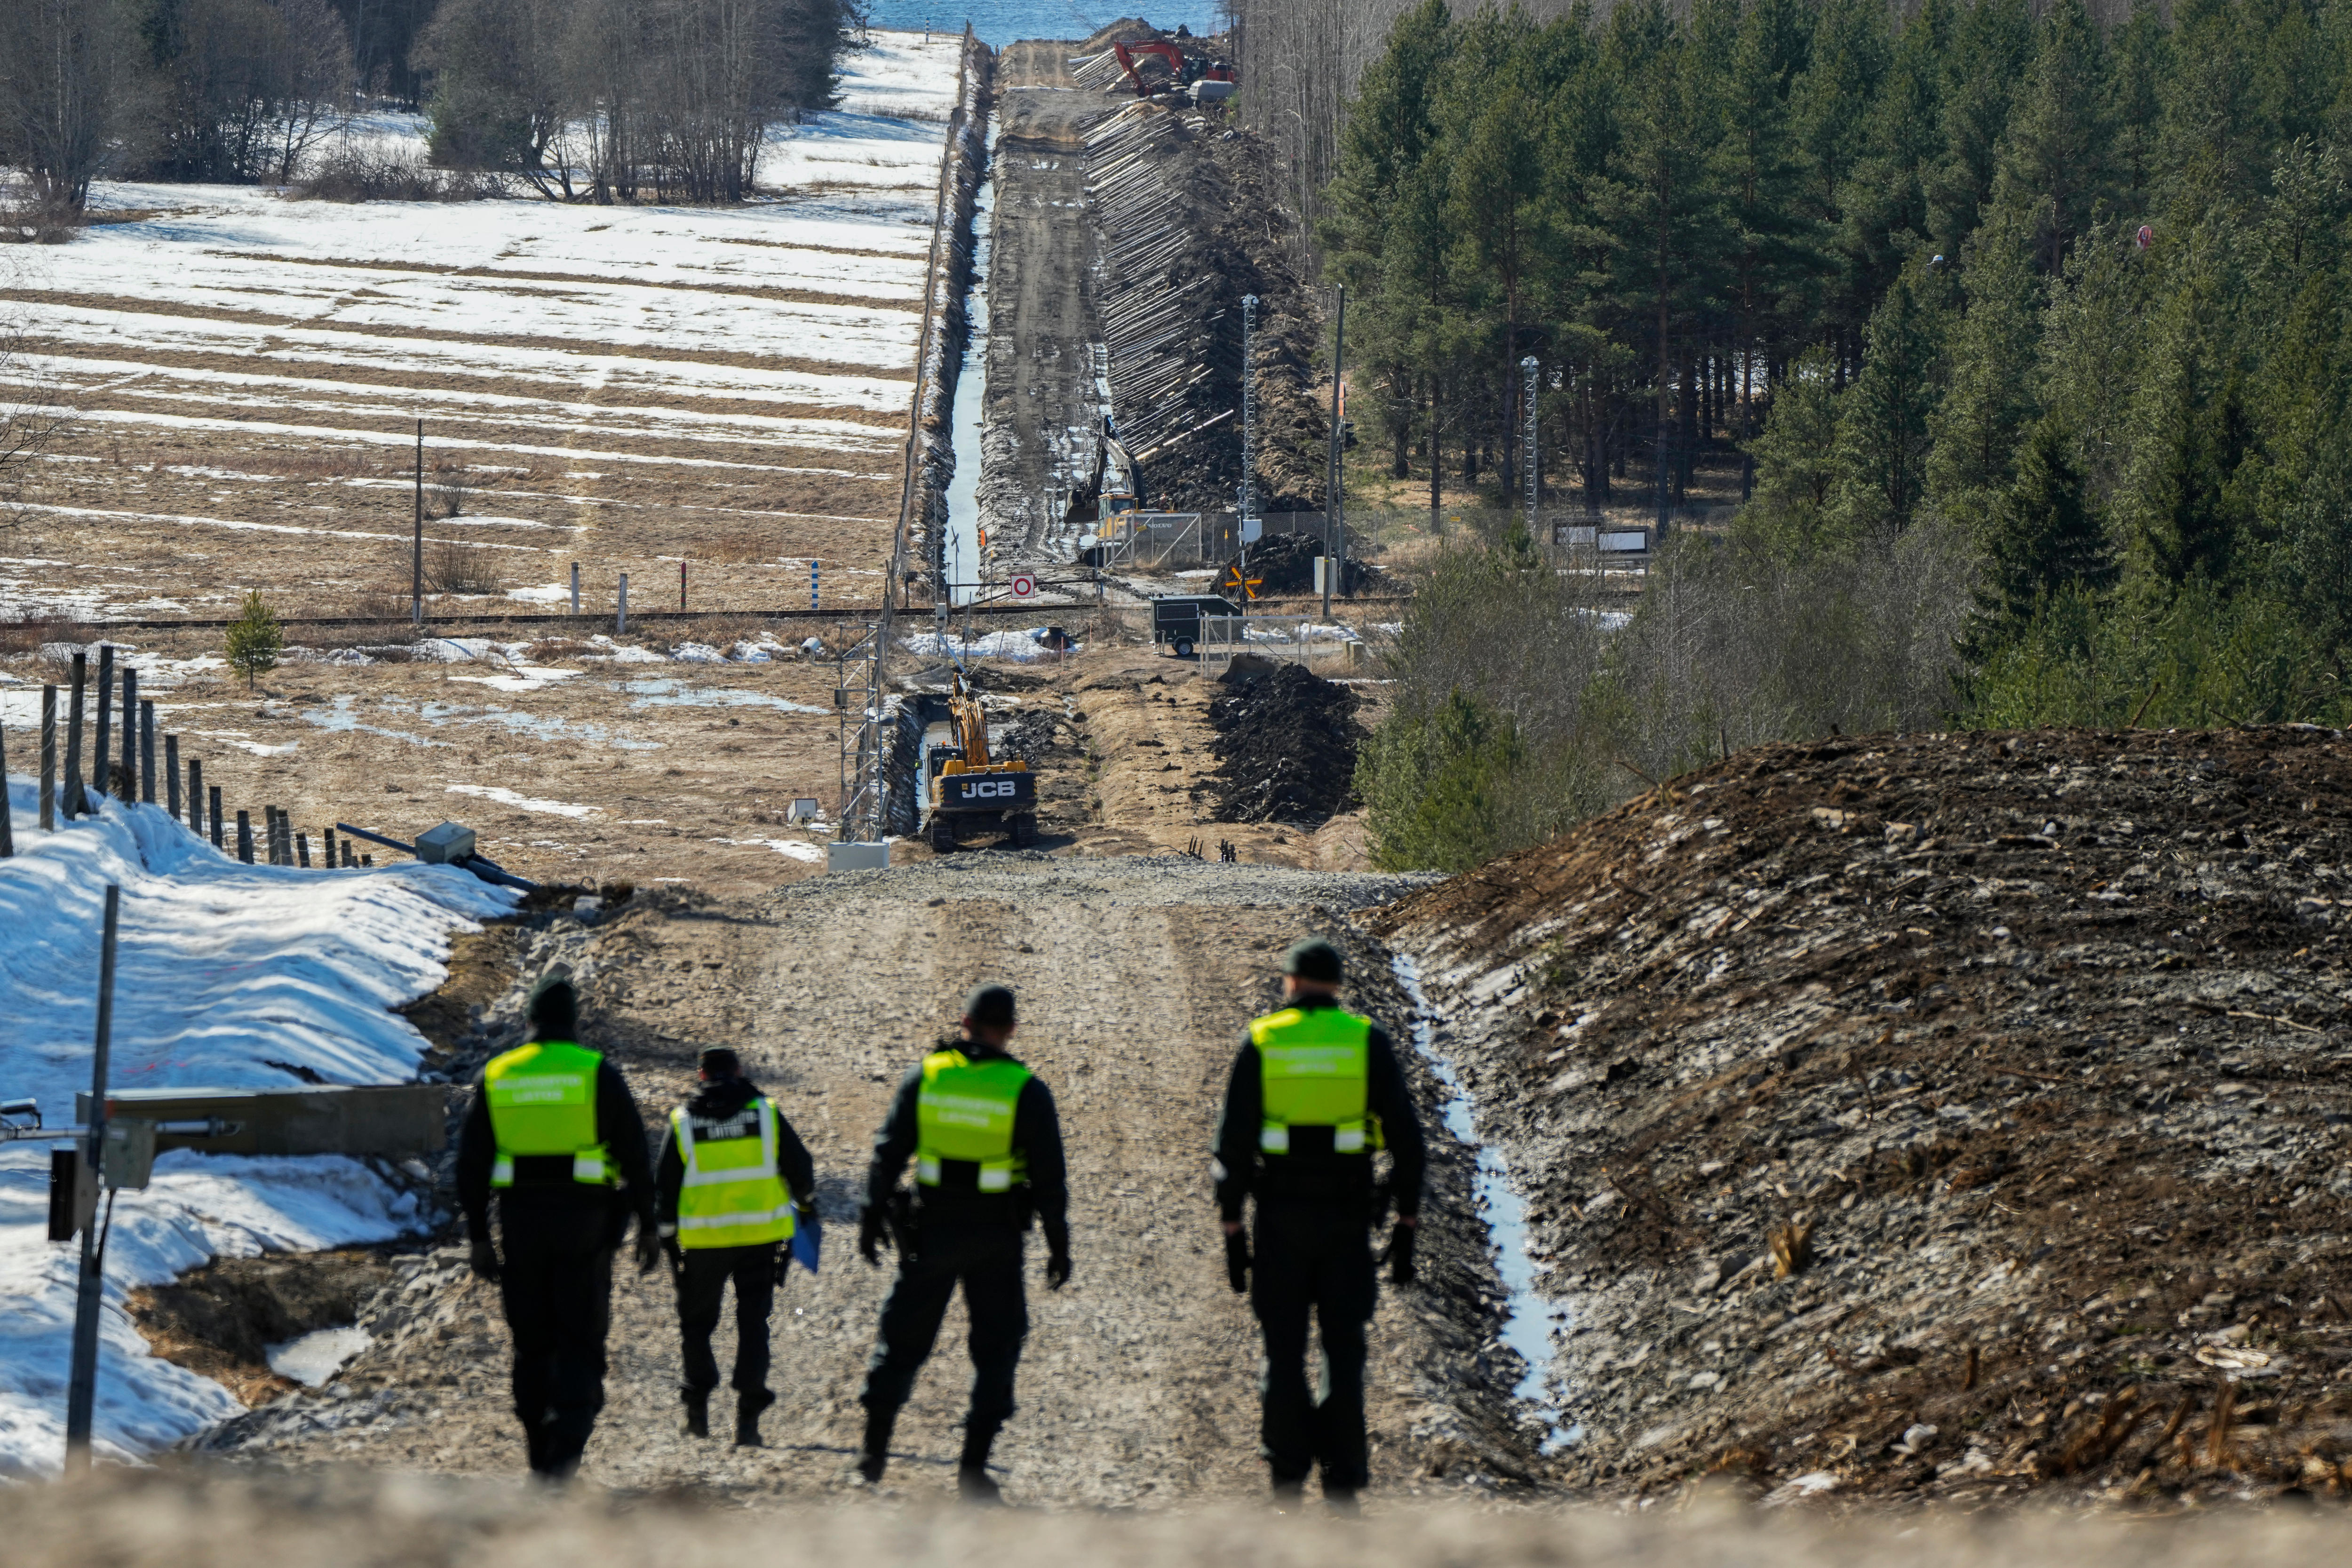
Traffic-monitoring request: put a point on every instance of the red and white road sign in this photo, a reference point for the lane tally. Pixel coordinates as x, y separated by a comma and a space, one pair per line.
1024, 587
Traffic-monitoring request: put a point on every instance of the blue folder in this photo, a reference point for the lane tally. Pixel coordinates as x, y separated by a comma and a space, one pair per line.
808, 1241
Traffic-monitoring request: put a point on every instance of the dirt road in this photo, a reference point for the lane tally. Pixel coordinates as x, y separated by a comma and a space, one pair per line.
1044, 402
1135, 977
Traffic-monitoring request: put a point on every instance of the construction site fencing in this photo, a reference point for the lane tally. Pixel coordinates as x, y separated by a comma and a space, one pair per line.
1322, 647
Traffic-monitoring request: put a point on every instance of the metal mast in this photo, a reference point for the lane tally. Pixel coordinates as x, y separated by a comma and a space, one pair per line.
1535, 489
1335, 531
1249, 414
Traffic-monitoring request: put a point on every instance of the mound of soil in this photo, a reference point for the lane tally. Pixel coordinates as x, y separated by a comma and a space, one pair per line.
1286, 741
1284, 564
1937, 1115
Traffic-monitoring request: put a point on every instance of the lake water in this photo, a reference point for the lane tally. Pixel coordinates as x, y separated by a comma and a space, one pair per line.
1003, 22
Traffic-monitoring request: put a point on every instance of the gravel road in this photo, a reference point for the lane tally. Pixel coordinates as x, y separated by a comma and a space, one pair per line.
1138, 1387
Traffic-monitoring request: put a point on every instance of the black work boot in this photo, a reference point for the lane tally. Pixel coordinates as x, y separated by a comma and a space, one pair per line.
1341, 1501
747, 1416
973, 1483
874, 1454
698, 1412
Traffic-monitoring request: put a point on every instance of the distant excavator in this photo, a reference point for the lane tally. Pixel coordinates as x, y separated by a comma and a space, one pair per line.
1207, 81
971, 790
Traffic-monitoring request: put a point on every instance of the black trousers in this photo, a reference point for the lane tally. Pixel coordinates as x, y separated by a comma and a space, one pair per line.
701, 1282
557, 1287
986, 1259
1313, 1258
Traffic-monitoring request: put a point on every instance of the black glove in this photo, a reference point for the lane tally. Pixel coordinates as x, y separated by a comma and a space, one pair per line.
649, 1248
485, 1260
1400, 1239
1057, 1268
1237, 1261
872, 1234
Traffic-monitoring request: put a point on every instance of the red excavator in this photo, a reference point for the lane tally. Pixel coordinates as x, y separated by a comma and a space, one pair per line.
1182, 71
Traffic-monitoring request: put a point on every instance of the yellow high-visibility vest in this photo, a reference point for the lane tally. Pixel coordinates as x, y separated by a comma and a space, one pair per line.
733, 1194
964, 1111
1313, 1072
543, 1100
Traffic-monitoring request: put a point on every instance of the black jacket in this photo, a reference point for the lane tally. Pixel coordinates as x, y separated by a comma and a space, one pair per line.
618, 1127
723, 1101
1037, 1136
1305, 1175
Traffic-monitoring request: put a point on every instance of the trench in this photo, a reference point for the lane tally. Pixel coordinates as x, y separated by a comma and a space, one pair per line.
960, 566
1529, 1316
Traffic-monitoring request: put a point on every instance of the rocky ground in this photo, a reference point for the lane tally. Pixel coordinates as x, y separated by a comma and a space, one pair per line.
1136, 976
1935, 1117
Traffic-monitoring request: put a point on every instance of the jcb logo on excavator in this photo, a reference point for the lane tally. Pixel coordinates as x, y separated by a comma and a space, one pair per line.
990, 789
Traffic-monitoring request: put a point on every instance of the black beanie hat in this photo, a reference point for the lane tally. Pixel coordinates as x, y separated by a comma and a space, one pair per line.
1313, 959
554, 1006
990, 1005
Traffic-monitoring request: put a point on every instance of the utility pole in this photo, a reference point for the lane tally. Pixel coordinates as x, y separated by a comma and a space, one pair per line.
1535, 488
1335, 531
1249, 414
82, 1385
416, 561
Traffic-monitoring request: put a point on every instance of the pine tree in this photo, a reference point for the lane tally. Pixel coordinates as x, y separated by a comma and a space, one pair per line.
1796, 470
2043, 539
1992, 396
255, 638
1776, 249
2141, 52
1991, 45
1883, 439
2057, 152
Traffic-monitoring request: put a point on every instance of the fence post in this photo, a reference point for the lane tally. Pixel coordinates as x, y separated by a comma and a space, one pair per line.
7, 827
212, 818
81, 1381
49, 759
196, 797
172, 773
101, 765
575, 587
245, 837
146, 750
74, 805
127, 786
302, 850
621, 624
328, 834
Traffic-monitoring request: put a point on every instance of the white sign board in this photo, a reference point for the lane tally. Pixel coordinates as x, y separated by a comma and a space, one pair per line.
1024, 587
1626, 540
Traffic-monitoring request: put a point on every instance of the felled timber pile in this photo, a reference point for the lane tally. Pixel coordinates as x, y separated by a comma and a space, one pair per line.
1945, 1116
1182, 208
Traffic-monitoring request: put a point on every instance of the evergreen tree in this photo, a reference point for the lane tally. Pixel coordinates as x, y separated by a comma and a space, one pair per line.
1796, 468
1995, 347
1883, 429
2141, 54
1991, 45
2055, 155
2043, 539
254, 639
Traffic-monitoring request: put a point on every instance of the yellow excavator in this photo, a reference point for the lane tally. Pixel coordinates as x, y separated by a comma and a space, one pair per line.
971, 791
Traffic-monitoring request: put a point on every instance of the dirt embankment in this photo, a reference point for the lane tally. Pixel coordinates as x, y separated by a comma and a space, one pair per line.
2024, 1058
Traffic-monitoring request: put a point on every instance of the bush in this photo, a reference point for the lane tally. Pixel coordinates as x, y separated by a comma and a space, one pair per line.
254, 639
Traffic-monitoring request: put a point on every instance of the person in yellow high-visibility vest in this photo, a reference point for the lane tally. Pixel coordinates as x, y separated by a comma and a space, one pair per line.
1316, 1092
729, 1179
555, 1133
987, 1149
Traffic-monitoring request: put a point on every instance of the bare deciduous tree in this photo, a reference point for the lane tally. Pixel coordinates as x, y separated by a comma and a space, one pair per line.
69, 92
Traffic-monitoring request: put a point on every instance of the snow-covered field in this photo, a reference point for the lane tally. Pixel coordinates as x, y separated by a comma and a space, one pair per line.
630, 381
226, 972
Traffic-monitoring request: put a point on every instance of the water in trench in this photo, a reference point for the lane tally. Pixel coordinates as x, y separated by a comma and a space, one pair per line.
1526, 1321
1001, 22
972, 385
